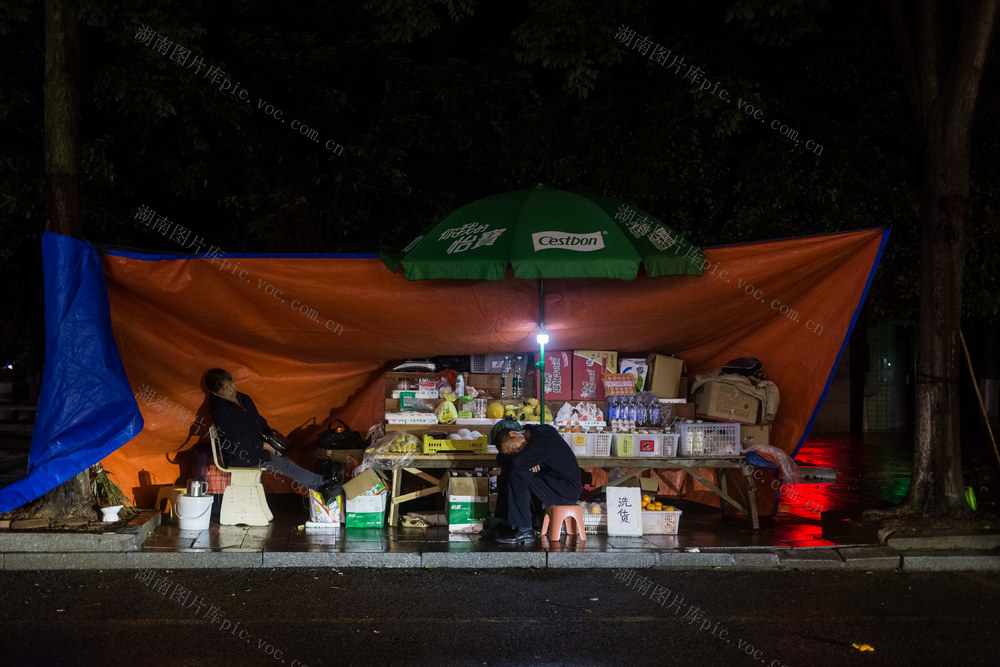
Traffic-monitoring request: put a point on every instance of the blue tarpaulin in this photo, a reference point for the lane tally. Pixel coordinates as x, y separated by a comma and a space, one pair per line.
86, 410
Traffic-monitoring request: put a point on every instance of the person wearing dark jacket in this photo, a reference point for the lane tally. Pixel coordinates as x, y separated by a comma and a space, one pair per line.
241, 432
534, 462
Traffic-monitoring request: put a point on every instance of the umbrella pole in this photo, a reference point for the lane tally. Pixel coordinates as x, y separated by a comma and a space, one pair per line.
541, 362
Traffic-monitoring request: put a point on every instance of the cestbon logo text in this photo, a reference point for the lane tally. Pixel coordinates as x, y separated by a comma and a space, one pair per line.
565, 241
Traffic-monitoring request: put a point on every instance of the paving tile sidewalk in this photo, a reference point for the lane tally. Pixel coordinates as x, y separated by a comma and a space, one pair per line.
705, 540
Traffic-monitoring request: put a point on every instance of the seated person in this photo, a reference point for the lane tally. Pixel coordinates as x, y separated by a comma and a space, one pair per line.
241, 433
535, 462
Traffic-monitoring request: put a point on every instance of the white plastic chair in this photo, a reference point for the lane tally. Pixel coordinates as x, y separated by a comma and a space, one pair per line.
243, 501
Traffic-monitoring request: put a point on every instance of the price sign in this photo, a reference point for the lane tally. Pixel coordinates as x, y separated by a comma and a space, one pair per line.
624, 510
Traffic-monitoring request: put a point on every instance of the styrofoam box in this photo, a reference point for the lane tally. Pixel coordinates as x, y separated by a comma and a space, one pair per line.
664, 522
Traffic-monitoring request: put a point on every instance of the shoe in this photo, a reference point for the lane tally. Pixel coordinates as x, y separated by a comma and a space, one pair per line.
408, 521
517, 536
330, 490
492, 527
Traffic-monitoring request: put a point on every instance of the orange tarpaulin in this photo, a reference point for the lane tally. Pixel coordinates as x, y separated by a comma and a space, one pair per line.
309, 338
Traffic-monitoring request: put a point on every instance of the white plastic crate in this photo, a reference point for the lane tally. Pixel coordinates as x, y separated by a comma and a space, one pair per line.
595, 523
650, 444
578, 442
668, 444
625, 444
663, 522
709, 439
601, 444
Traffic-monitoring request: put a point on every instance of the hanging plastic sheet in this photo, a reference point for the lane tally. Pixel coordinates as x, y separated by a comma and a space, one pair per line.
86, 410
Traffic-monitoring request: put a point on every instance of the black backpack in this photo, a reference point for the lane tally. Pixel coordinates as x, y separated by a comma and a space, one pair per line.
348, 438
746, 366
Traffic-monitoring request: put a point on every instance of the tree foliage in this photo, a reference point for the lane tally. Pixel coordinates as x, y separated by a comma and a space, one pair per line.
439, 102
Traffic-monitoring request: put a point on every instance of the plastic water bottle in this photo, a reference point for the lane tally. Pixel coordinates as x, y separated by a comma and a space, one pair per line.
518, 378
504, 372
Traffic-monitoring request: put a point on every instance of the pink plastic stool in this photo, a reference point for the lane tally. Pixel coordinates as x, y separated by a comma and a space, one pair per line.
555, 515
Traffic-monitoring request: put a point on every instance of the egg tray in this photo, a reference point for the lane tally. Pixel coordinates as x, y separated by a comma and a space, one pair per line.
433, 445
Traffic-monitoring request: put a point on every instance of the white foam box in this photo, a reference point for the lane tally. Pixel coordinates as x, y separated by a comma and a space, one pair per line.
664, 522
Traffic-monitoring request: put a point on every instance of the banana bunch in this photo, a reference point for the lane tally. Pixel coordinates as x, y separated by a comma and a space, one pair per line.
402, 443
528, 410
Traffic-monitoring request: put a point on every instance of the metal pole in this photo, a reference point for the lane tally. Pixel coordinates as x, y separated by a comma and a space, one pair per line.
541, 362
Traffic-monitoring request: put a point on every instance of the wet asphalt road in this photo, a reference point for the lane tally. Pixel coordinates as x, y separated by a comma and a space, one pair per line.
317, 617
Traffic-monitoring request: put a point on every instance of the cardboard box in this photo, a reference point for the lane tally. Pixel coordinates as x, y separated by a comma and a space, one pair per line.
468, 502
755, 435
365, 511
559, 375
367, 483
723, 402
647, 484
664, 376
589, 367
637, 368
678, 410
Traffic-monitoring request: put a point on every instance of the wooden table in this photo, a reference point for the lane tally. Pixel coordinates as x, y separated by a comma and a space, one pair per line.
638, 465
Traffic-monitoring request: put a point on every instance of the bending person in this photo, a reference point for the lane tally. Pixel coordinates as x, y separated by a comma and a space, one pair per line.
242, 429
534, 462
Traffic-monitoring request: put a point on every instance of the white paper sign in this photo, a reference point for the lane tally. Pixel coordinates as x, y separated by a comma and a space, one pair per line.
624, 510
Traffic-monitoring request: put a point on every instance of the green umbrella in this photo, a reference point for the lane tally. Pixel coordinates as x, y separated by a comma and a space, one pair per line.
546, 233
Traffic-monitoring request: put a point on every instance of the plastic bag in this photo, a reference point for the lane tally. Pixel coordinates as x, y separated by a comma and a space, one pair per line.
614, 474
789, 469
393, 451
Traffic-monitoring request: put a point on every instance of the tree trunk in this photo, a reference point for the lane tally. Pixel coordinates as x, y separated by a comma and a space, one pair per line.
62, 118
943, 84
936, 483
62, 201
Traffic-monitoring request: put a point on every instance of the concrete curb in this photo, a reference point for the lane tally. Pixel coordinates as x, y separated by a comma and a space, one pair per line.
951, 560
983, 542
128, 538
857, 558
870, 558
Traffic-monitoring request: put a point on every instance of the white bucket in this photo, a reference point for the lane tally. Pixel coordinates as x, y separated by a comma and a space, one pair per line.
194, 512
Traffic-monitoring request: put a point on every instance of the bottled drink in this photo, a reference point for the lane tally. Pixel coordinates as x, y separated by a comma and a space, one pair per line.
641, 413
631, 412
460, 385
654, 412
518, 378
504, 383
